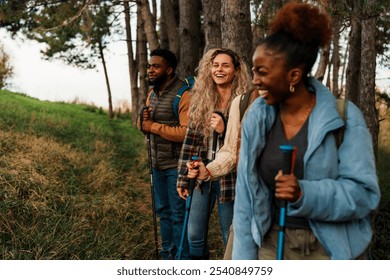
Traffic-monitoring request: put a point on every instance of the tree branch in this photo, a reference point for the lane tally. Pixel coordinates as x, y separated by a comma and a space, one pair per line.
75, 17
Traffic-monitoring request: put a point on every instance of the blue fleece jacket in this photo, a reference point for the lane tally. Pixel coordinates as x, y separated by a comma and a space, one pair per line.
340, 186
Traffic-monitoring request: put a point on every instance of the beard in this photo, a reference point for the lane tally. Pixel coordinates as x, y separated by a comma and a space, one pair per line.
157, 81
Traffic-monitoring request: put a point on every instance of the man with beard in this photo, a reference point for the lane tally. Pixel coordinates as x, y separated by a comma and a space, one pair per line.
167, 133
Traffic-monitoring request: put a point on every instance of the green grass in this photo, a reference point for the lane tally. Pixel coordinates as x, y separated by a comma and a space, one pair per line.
75, 185
72, 183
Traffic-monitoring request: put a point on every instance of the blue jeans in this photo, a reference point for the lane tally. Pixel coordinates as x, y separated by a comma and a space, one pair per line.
170, 209
199, 216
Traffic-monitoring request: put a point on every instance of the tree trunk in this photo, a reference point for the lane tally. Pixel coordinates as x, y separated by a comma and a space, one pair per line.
336, 57
345, 58
132, 65
325, 51
163, 30
171, 27
149, 26
212, 24
189, 37
353, 68
142, 60
110, 110
329, 74
258, 29
367, 73
323, 63
154, 12
264, 11
236, 28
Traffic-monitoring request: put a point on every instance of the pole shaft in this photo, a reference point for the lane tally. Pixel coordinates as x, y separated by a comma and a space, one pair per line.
287, 165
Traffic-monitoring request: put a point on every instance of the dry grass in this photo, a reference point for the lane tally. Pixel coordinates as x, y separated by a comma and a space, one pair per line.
58, 202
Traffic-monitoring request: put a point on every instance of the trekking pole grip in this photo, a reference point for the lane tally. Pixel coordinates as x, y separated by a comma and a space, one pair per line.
141, 116
192, 183
287, 168
287, 158
215, 141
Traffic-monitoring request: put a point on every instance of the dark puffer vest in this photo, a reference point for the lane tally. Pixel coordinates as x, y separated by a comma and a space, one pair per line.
165, 153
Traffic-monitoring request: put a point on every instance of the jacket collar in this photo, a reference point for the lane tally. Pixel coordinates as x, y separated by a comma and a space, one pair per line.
324, 117
170, 85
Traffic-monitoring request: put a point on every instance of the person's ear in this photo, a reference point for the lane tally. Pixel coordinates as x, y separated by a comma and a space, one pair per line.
295, 76
170, 71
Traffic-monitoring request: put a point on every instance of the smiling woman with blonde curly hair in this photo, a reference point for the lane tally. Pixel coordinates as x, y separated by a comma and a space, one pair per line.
204, 97
221, 76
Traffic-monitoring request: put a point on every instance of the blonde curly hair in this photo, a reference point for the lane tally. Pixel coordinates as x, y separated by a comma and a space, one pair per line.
204, 97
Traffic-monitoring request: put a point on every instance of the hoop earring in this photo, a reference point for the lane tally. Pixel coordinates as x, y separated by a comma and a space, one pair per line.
292, 88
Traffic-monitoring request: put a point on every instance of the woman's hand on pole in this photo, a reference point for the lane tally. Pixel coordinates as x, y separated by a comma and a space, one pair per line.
183, 193
192, 171
217, 123
287, 187
197, 169
202, 172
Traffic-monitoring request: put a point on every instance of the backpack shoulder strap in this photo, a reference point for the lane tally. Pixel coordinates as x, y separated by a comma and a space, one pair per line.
188, 83
149, 97
341, 104
244, 103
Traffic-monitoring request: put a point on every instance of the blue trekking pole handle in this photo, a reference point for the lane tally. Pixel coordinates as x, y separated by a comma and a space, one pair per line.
287, 165
191, 186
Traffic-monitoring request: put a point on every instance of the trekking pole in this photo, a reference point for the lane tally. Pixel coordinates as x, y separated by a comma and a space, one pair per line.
289, 153
151, 184
191, 186
213, 152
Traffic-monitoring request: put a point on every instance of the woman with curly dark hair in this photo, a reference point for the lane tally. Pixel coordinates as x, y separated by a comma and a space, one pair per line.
333, 188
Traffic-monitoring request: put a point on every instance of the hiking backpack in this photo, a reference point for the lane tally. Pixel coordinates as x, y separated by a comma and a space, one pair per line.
188, 83
244, 103
341, 104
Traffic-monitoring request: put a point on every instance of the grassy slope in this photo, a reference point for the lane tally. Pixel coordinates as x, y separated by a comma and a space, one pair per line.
72, 183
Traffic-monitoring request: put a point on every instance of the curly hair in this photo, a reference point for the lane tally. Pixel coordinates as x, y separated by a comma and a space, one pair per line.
298, 30
204, 97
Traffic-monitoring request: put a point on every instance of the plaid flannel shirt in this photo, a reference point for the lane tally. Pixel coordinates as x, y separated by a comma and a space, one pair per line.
194, 146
